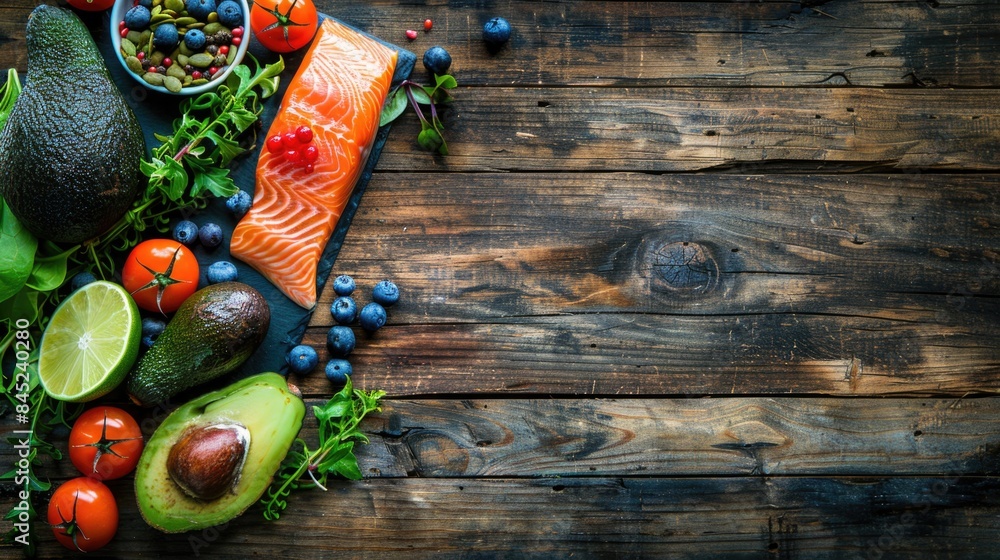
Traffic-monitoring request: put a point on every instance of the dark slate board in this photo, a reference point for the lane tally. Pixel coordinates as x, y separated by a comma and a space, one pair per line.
156, 112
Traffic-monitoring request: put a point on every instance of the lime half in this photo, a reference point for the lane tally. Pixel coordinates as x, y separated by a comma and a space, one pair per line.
90, 344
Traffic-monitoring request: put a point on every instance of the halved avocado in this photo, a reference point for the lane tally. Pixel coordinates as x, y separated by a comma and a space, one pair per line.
273, 416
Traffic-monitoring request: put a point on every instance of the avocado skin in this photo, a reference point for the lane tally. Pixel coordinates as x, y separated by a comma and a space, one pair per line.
213, 332
70, 152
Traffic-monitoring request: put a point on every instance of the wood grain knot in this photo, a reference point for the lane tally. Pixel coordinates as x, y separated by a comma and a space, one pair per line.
684, 266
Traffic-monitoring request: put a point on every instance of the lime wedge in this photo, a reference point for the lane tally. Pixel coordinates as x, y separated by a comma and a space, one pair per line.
90, 344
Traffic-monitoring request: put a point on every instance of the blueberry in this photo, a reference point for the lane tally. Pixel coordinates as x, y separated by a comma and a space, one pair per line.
210, 235
343, 285
496, 32
340, 340
194, 39
152, 328
372, 317
81, 279
239, 203
186, 232
385, 293
199, 9
165, 37
230, 14
344, 310
301, 359
137, 18
437, 60
337, 371
222, 271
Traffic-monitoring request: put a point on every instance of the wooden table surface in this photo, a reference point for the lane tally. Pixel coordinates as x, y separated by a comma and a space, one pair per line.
696, 280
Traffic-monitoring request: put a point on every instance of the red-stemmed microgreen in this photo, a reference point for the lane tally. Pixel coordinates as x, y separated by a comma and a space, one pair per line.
411, 93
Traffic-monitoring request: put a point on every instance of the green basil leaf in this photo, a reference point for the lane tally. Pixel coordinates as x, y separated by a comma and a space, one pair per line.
394, 107
17, 253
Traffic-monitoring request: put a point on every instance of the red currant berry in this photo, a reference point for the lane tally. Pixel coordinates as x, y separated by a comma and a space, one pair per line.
290, 141
411, 34
224, 49
123, 32
236, 41
304, 134
196, 75
274, 144
308, 168
292, 155
237, 32
310, 154
428, 24
167, 62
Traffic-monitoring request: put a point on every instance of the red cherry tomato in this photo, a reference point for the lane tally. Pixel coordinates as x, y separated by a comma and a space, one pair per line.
92, 5
284, 25
105, 443
83, 514
160, 274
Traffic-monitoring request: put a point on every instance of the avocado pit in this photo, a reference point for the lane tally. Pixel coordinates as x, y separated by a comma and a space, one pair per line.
206, 462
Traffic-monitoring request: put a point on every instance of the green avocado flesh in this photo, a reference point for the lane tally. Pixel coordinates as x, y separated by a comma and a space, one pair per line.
271, 413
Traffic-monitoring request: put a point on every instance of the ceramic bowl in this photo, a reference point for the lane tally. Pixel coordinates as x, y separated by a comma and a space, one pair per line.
118, 15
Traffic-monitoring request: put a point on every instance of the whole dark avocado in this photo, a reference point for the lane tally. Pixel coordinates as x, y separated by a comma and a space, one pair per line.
71, 148
213, 332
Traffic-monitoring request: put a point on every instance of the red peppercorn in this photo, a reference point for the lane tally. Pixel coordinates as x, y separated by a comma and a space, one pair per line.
236, 41
224, 49
237, 32
310, 154
428, 24
274, 144
123, 32
308, 168
151, 70
167, 62
212, 70
196, 75
140, 55
411, 34
304, 134
121, 24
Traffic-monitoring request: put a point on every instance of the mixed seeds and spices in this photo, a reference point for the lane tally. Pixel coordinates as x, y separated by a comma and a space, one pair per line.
176, 44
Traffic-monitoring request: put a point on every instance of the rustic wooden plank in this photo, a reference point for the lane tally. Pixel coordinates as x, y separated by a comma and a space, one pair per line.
578, 284
665, 437
681, 43
691, 129
743, 517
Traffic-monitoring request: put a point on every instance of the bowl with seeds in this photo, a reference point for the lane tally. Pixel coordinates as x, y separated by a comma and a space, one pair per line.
180, 47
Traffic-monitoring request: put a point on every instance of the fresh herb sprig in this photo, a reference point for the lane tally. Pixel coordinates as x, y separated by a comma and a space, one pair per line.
303, 467
192, 163
431, 136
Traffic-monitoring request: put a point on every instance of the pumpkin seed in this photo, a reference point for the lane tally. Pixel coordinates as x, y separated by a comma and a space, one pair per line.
134, 64
196, 25
177, 71
133, 36
157, 8
182, 59
200, 60
199, 81
153, 79
213, 17
144, 38
212, 28
185, 50
156, 58
175, 5
231, 56
184, 21
160, 18
172, 84
128, 47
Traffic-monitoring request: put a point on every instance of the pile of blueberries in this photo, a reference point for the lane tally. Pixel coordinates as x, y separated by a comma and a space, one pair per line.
340, 340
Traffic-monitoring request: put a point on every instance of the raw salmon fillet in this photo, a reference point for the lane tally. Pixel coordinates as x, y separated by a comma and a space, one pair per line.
338, 91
